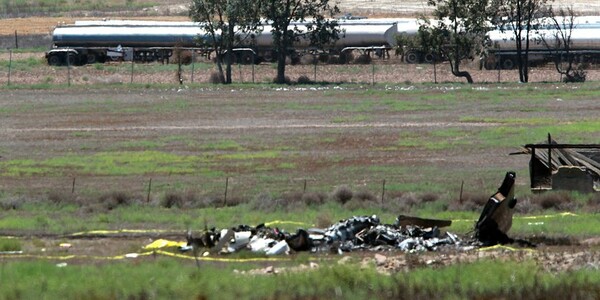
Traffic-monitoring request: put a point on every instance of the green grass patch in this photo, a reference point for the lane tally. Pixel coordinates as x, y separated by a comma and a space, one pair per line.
10, 244
169, 278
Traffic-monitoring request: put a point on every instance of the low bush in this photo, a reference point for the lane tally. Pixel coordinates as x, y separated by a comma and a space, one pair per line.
557, 200
171, 200
342, 194
216, 78
115, 199
313, 198
11, 203
303, 79
365, 196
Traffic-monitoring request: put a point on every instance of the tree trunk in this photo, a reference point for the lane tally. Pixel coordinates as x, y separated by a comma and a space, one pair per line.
455, 67
220, 66
280, 67
230, 54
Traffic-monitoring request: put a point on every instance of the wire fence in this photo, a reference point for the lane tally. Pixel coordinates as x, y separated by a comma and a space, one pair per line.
31, 69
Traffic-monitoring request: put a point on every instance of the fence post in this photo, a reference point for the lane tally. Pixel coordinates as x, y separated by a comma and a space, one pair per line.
434, 72
149, 189
193, 62
73, 187
226, 186
382, 191
316, 60
372, 73
460, 198
9, 64
253, 63
16, 40
132, 59
68, 69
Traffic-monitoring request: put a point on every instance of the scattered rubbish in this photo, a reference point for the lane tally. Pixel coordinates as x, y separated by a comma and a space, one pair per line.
132, 255
61, 265
65, 245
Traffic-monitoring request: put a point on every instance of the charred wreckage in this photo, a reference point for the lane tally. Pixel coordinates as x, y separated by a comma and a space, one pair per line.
408, 234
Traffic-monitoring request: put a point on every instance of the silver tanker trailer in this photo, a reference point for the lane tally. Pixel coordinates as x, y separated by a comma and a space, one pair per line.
585, 44
98, 41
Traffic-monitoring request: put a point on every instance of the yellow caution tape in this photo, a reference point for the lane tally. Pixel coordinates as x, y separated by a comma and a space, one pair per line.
564, 214
504, 247
277, 222
135, 255
161, 243
98, 232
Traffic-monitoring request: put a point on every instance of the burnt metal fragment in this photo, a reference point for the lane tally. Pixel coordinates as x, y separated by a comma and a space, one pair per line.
496, 218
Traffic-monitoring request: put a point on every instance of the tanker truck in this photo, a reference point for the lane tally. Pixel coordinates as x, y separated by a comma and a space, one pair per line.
584, 44
86, 42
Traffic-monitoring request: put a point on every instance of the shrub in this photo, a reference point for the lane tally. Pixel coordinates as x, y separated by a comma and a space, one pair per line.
263, 202
303, 79
429, 197
234, 201
286, 80
313, 198
363, 59
593, 204
113, 200
342, 194
356, 204
554, 200
216, 78
61, 197
526, 206
324, 220
470, 202
172, 199
365, 196
11, 203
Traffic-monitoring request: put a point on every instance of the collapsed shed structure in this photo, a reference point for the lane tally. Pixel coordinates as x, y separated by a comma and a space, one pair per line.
573, 167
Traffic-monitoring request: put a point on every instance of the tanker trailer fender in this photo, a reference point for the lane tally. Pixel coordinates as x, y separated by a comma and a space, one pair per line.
62, 56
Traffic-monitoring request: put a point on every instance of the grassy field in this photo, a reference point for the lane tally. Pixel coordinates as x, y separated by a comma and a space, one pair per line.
165, 157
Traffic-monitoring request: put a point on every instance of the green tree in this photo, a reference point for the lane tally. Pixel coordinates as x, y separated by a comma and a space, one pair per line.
457, 32
559, 43
521, 17
225, 23
284, 16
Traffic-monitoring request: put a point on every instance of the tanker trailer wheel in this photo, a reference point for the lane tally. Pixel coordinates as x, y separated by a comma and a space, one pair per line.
429, 58
71, 59
411, 57
508, 63
246, 58
91, 58
54, 60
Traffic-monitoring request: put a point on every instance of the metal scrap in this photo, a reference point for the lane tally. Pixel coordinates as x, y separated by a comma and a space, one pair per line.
355, 233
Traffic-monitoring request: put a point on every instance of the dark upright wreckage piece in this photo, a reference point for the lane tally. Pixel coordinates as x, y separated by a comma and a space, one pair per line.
496, 218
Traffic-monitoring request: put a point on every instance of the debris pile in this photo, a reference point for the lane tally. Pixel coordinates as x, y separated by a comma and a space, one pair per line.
355, 233
408, 234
